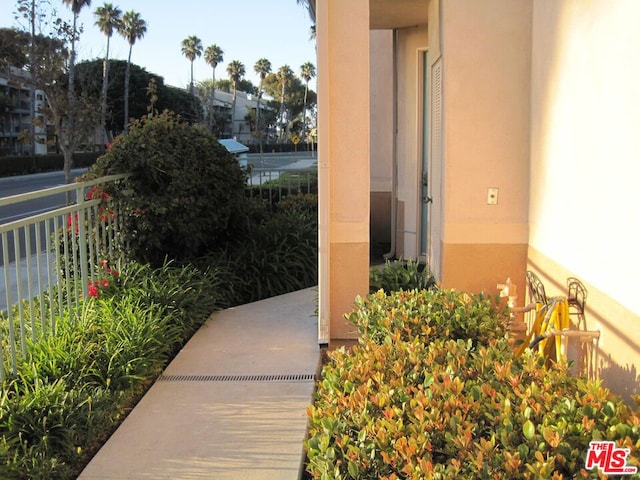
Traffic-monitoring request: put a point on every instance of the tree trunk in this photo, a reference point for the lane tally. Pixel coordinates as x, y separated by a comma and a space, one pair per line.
127, 72
304, 112
233, 108
34, 79
258, 128
103, 99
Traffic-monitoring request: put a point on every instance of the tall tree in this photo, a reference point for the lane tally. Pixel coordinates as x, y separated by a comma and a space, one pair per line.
108, 20
236, 71
132, 28
285, 74
76, 7
192, 49
307, 72
213, 55
262, 68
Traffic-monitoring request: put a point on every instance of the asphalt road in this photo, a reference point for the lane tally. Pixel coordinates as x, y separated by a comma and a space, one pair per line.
29, 183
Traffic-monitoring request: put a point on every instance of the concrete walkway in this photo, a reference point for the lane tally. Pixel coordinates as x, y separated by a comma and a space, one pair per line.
231, 405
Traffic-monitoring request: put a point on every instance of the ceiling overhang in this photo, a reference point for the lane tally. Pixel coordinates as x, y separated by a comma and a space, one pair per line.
389, 14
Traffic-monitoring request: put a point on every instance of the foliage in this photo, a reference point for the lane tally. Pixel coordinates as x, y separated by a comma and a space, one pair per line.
184, 191
429, 315
169, 98
294, 94
302, 202
287, 185
13, 48
397, 406
75, 386
277, 255
400, 275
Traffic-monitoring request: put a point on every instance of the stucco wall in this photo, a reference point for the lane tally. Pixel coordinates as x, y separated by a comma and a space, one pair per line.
486, 84
585, 164
343, 161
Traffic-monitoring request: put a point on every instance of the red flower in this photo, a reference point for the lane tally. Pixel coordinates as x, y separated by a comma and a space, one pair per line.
70, 222
93, 289
104, 282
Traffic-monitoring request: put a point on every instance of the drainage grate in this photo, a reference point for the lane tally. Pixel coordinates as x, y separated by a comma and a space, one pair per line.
303, 377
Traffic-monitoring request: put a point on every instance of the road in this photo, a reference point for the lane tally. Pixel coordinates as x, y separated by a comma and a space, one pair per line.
29, 183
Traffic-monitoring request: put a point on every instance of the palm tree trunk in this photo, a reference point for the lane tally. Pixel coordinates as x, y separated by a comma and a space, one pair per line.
191, 84
282, 125
304, 112
233, 108
103, 99
32, 48
126, 92
258, 128
212, 110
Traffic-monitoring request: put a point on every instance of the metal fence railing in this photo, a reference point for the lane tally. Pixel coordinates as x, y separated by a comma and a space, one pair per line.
51, 259
277, 183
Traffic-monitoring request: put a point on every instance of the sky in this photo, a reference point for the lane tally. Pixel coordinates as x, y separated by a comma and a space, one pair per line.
246, 30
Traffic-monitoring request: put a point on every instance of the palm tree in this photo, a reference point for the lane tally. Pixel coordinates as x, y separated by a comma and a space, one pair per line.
213, 55
68, 143
262, 68
310, 6
307, 72
76, 7
236, 71
284, 76
192, 49
109, 18
132, 28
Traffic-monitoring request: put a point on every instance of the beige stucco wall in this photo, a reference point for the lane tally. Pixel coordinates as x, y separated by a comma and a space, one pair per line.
585, 159
343, 161
486, 83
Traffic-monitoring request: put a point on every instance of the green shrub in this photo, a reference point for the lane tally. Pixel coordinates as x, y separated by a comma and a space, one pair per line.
400, 275
184, 192
302, 202
434, 390
449, 409
74, 386
277, 256
429, 315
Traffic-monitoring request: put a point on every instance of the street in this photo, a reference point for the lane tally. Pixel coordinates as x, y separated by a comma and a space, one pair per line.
29, 183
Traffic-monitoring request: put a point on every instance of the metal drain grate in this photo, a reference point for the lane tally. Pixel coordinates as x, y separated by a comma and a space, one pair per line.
303, 377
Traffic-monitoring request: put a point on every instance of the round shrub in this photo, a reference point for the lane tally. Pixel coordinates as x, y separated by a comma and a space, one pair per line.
184, 192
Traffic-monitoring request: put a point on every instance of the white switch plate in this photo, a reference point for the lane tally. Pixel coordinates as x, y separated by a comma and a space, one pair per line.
492, 196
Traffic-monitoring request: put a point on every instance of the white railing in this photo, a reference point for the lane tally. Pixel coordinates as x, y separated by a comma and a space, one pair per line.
278, 181
50, 260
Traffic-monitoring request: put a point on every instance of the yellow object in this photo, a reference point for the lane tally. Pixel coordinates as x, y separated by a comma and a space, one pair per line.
551, 319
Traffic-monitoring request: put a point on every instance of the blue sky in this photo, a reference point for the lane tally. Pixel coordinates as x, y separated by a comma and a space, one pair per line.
245, 29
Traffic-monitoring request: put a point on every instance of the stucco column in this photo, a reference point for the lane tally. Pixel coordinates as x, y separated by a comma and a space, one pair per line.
342, 29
